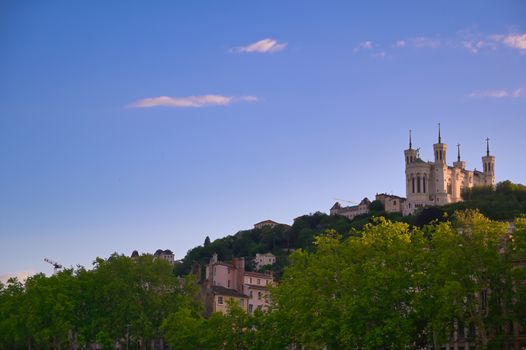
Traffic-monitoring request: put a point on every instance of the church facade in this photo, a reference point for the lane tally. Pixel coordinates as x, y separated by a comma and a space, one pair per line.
437, 183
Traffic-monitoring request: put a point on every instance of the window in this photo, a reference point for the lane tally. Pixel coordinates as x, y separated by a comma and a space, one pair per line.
250, 308
228, 283
259, 295
418, 184
413, 182
250, 279
251, 294
259, 281
220, 300
242, 303
424, 183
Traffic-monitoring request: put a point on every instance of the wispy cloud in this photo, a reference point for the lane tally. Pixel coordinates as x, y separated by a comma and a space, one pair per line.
20, 275
263, 46
497, 93
420, 42
365, 45
514, 41
191, 101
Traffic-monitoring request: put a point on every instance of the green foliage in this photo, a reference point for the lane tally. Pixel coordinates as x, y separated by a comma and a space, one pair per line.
506, 202
376, 206
118, 297
392, 287
387, 286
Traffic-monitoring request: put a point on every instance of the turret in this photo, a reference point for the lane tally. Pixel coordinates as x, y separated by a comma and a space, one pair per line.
440, 149
459, 163
410, 153
488, 164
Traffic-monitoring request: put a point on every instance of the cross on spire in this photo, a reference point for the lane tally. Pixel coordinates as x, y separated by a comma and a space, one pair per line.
487, 146
458, 150
439, 137
410, 144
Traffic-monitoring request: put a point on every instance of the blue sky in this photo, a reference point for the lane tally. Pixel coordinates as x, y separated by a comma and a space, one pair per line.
145, 125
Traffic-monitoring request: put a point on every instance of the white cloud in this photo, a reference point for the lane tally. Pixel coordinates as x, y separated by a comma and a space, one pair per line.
418, 42
365, 45
514, 41
263, 46
191, 101
497, 93
20, 275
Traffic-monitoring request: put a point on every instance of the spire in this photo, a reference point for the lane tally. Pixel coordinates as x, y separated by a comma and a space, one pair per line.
458, 150
487, 146
439, 137
410, 143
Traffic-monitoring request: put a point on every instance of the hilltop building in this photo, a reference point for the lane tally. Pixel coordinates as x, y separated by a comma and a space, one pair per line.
224, 282
392, 203
263, 260
436, 183
167, 255
268, 223
352, 211
429, 183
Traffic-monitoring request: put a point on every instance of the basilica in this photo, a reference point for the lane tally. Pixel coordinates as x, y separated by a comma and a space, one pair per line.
436, 183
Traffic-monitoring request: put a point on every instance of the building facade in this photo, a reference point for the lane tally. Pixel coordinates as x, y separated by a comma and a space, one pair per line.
166, 255
225, 281
392, 203
435, 182
352, 211
264, 259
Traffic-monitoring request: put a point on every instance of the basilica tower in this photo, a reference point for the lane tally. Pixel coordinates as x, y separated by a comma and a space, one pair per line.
410, 153
488, 163
442, 183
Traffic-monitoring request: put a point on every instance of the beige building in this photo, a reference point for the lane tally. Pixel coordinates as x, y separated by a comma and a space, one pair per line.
264, 259
392, 203
436, 183
352, 211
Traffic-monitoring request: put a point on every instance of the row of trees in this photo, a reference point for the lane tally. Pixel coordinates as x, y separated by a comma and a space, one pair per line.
388, 286
121, 300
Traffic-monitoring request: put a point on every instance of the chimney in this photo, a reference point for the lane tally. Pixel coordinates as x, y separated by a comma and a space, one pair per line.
239, 266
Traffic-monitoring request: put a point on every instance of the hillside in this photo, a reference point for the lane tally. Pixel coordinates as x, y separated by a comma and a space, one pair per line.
506, 202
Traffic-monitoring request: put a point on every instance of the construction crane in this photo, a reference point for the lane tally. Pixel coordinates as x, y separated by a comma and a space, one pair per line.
55, 264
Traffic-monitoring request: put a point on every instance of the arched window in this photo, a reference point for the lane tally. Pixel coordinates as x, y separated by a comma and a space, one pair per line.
418, 184
413, 182
424, 184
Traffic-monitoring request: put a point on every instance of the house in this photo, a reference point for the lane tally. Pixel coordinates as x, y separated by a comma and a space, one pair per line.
229, 281
264, 259
268, 223
167, 255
